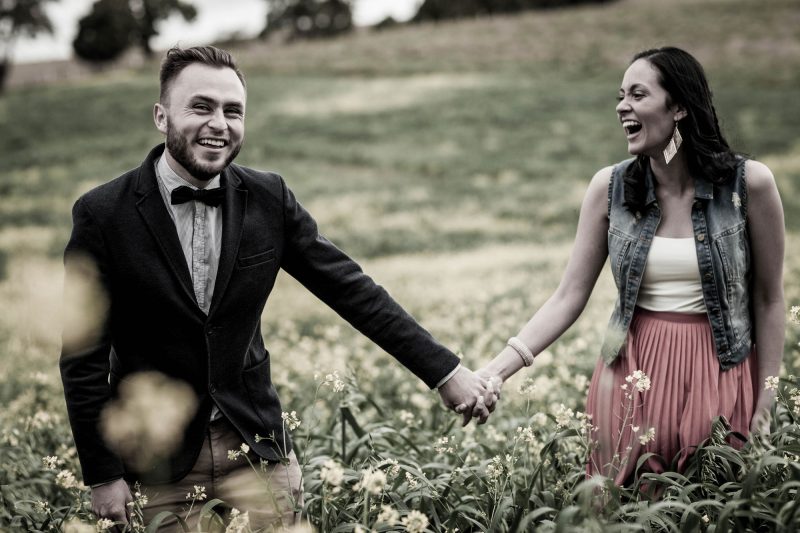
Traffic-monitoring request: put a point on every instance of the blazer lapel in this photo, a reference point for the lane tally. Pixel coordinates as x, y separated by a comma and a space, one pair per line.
162, 228
233, 213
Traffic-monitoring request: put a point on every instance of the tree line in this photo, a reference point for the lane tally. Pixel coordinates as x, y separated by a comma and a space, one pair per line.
113, 26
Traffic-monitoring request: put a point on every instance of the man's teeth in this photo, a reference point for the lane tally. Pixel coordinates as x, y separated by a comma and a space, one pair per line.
212, 142
629, 124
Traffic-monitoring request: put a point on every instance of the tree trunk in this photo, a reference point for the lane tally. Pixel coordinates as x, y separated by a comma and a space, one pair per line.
5, 68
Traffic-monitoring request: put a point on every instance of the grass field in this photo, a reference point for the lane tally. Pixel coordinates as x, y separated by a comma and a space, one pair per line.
450, 160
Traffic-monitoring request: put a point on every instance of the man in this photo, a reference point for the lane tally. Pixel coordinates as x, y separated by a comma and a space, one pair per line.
187, 248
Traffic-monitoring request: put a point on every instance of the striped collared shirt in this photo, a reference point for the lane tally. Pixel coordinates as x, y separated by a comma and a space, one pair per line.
199, 228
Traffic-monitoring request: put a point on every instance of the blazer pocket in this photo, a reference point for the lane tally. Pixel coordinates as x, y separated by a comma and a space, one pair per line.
257, 259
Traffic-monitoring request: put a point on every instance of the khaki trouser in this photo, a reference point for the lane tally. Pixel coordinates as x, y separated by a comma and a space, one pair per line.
272, 495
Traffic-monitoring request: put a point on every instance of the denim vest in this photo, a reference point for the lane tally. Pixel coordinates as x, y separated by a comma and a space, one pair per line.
719, 219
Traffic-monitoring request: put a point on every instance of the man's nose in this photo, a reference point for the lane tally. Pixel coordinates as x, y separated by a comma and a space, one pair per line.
217, 120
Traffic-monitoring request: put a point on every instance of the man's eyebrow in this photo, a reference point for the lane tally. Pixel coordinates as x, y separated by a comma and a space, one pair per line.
210, 100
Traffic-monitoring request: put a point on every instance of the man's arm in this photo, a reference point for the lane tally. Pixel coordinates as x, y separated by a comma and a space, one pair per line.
86, 346
340, 283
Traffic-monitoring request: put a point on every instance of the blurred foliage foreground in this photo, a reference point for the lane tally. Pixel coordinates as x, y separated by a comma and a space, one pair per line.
451, 161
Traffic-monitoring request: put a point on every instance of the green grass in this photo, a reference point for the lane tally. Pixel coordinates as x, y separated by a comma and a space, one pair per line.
451, 160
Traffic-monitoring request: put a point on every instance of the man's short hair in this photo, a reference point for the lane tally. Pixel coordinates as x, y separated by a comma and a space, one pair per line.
178, 59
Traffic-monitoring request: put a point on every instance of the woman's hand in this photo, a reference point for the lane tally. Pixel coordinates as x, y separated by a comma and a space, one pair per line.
761, 416
494, 380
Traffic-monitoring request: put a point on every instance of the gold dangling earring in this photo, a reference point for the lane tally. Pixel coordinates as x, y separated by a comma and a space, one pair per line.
674, 143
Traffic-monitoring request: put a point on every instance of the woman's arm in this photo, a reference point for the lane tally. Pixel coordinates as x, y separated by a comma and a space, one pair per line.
765, 224
568, 301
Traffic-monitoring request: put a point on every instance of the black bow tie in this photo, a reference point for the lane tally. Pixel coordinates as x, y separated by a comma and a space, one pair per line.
212, 197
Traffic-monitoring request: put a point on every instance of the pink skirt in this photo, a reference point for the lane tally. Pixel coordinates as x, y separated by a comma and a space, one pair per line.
687, 390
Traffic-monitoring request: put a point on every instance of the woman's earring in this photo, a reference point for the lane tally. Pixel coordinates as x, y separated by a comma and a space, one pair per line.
674, 144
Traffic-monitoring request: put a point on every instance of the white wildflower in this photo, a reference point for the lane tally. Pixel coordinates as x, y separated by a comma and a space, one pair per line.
388, 515
407, 417
239, 523
372, 481
103, 524
642, 380
771, 383
443, 445
415, 522
290, 420
647, 436
334, 381
76, 526
540, 419
332, 474
50, 462
199, 493
394, 467
563, 416
140, 499
41, 507
66, 479
495, 468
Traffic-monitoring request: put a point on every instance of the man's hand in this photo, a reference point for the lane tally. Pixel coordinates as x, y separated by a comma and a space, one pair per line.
111, 501
468, 394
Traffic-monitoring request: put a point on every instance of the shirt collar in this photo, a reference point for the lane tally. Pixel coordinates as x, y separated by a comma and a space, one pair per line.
172, 180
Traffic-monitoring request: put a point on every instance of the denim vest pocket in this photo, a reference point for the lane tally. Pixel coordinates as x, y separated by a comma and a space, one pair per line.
619, 245
734, 254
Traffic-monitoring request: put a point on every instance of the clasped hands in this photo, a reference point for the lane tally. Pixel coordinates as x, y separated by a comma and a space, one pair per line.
472, 394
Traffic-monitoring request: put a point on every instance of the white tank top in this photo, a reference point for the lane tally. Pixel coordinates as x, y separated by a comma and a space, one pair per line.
671, 280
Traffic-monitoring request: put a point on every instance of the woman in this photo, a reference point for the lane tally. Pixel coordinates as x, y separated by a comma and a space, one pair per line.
695, 236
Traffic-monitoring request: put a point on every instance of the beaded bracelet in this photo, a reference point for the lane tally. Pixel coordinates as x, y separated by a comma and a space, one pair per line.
523, 351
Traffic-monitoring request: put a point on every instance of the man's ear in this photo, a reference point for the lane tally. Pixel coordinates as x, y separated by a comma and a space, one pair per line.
160, 117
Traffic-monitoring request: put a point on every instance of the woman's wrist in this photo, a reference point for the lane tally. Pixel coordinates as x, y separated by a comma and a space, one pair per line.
505, 364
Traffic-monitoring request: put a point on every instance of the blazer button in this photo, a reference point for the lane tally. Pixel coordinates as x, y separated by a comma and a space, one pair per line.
701, 237
213, 389
707, 275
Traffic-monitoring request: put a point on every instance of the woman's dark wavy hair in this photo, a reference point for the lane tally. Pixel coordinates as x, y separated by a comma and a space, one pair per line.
707, 152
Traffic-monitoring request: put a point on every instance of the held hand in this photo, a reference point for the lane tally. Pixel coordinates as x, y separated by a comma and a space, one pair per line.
469, 395
111, 501
494, 382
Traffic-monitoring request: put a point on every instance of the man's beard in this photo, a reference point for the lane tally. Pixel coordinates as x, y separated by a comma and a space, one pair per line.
179, 150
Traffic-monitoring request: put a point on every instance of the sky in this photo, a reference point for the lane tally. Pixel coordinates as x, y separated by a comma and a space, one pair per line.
215, 19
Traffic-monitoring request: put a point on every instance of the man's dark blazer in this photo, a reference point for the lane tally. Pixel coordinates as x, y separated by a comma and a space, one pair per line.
154, 322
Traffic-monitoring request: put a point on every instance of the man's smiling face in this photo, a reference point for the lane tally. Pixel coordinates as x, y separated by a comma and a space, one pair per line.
203, 119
